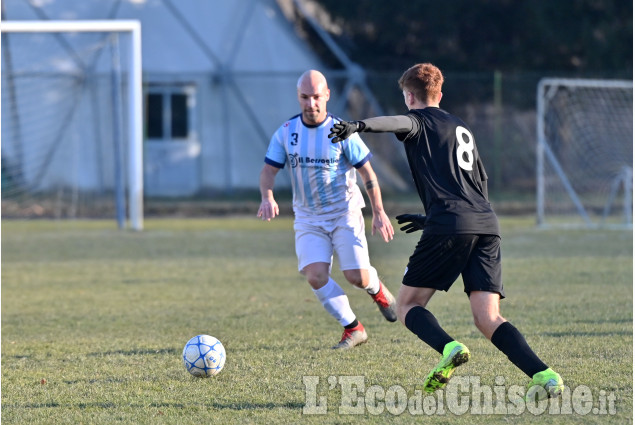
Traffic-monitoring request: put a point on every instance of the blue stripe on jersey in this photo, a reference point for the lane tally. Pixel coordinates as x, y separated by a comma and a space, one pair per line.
306, 181
339, 185
320, 149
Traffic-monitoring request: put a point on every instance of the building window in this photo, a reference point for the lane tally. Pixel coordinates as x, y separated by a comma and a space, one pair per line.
178, 107
154, 116
169, 112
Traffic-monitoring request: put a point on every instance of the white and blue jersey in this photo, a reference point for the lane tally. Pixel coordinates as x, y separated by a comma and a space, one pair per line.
323, 175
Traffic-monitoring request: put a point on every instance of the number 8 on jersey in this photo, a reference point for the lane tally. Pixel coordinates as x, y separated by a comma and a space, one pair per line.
464, 148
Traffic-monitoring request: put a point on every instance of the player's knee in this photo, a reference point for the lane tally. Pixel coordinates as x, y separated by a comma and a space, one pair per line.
317, 280
355, 278
316, 283
487, 323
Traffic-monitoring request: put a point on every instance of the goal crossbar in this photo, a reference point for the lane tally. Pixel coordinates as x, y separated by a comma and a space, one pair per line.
135, 154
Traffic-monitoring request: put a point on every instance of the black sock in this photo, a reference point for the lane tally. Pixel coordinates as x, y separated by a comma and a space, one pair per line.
352, 324
512, 343
423, 324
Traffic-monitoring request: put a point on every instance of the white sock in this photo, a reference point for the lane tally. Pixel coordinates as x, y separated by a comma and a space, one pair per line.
373, 282
335, 301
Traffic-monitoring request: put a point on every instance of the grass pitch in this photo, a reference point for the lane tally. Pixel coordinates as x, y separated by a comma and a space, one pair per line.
94, 321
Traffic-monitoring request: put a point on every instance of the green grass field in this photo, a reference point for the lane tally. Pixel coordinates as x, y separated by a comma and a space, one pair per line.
94, 321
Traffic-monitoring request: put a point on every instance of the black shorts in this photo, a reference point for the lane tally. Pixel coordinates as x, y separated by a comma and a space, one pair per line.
438, 261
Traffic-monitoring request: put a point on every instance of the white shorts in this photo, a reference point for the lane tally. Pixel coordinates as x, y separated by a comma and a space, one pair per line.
315, 241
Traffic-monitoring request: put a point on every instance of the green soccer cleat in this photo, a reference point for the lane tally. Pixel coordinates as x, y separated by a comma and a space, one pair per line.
545, 384
454, 354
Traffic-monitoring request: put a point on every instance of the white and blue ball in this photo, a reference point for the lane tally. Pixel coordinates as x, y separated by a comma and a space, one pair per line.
204, 356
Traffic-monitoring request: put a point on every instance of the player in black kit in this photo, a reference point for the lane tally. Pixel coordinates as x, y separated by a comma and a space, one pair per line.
460, 231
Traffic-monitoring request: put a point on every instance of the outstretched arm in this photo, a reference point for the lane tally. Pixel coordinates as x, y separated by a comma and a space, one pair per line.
268, 205
398, 124
381, 222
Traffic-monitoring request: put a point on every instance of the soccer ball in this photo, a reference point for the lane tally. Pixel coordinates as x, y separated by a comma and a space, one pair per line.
204, 356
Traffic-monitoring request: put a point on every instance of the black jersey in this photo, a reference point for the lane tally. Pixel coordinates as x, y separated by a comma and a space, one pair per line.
448, 174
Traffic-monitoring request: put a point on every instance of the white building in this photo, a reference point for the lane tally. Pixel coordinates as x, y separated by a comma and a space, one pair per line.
218, 79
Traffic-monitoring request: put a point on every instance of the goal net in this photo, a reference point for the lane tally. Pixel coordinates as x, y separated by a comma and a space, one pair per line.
71, 120
585, 153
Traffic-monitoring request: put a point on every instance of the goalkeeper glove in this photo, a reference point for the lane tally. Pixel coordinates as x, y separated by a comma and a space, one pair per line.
415, 222
345, 129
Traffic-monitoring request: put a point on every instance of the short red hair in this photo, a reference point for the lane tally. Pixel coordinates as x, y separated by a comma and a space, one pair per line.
424, 80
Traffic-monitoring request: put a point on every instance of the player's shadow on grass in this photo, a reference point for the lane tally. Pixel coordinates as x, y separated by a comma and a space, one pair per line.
597, 322
229, 406
257, 406
136, 352
111, 405
587, 334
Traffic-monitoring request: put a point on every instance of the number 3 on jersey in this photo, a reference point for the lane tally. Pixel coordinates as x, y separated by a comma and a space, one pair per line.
465, 148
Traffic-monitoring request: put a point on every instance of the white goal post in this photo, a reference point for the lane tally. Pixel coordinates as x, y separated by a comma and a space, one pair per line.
584, 153
14, 125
